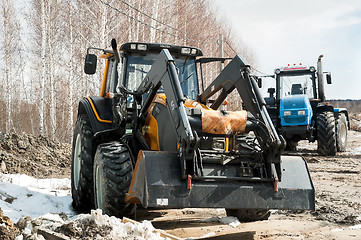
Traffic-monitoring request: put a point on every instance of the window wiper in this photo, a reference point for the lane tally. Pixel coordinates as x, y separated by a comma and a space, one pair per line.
141, 70
187, 78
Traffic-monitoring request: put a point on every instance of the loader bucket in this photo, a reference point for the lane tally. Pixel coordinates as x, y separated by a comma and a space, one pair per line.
157, 182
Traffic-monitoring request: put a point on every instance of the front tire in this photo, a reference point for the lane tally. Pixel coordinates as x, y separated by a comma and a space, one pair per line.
326, 134
112, 176
82, 165
249, 215
341, 132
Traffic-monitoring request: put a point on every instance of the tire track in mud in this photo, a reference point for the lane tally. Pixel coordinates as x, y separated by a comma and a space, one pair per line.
337, 182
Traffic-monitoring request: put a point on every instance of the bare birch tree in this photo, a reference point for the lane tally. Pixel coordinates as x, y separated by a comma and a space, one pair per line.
11, 49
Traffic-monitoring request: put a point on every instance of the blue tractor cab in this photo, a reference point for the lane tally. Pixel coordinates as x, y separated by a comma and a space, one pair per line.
299, 110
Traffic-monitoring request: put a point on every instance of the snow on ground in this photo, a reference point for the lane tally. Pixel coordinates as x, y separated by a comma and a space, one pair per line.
21, 195
231, 221
44, 199
358, 150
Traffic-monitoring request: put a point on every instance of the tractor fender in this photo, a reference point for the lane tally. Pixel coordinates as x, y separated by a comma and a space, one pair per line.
324, 108
337, 111
99, 111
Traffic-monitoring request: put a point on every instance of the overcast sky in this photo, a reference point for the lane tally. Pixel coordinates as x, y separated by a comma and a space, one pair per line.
282, 32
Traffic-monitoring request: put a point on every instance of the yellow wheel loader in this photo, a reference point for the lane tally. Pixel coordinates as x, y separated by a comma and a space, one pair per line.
155, 137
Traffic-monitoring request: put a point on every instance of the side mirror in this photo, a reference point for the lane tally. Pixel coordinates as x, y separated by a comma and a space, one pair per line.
328, 78
271, 92
90, 65
259, 82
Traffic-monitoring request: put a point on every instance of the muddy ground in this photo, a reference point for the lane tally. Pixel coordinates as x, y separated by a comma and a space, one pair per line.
337, 181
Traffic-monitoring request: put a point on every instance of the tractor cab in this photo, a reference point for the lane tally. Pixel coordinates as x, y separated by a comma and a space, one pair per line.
295, 81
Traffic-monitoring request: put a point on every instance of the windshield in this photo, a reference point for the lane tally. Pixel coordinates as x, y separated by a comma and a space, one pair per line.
294, 85
139, 65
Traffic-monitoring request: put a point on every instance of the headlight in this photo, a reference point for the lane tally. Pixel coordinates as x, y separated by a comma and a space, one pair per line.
312, 69
142, 47
185, 51
218, 144
277, 71
287, 113
301, 112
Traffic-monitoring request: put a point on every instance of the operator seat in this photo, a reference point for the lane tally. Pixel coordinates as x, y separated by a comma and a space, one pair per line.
296, 89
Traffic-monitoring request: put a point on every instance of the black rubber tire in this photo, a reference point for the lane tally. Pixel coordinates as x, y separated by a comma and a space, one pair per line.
341, 133
326, 134
82, 185
249, 215
291, 145
113, 172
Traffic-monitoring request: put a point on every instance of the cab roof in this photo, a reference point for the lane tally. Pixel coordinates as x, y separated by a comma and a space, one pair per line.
141, 47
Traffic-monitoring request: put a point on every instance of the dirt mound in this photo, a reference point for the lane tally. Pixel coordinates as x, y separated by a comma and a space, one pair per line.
35, 156
87, 227
355, 121
7, 229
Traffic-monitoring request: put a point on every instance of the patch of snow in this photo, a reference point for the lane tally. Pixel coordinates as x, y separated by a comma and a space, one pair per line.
358, 226
20, 237
231, 221
52, 217
26, 231
337, 230
98, 226
358, 150
21, 195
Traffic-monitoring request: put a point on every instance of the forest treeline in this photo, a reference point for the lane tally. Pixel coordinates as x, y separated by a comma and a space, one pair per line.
43, 44
353, 106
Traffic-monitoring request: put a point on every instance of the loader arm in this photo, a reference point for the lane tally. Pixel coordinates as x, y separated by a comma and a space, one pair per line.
236, 75
163, 73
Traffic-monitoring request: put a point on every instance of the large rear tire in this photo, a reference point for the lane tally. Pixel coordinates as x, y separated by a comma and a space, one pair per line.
82, 165
326, 134
249, 215
341, 132
112, 176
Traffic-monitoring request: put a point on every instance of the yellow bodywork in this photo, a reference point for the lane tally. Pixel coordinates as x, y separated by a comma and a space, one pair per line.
105, 56
150, 130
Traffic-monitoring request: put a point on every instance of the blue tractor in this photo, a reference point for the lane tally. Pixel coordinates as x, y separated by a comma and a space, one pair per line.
299, 110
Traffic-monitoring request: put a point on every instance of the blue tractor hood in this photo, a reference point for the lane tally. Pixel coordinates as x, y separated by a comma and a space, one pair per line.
295, 101
295, 110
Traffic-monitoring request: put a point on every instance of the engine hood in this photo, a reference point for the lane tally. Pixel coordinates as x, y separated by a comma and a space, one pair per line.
295, 101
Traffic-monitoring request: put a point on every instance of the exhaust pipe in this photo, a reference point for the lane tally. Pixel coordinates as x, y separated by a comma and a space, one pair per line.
115, 50
321, 88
